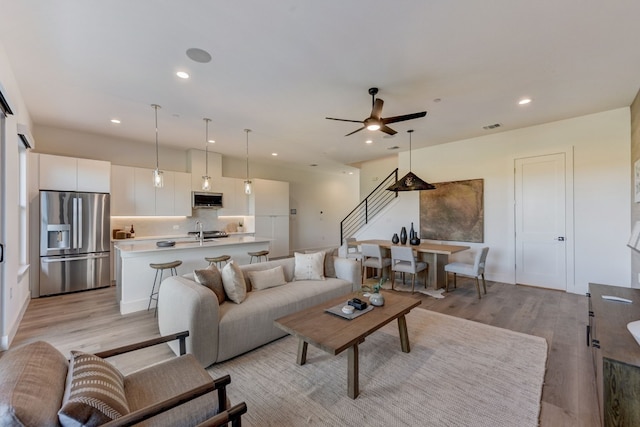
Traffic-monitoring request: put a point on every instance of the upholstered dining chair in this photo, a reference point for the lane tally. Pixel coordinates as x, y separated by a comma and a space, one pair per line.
372, 257
472, 270
403, 261
352, 249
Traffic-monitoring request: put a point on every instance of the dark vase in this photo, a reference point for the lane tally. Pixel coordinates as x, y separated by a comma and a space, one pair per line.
403, 236
412, 233
414, 241
395, 239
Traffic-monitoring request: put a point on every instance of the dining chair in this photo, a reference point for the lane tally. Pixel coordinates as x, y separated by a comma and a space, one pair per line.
472, 270
403, 261
372, 257
352, 249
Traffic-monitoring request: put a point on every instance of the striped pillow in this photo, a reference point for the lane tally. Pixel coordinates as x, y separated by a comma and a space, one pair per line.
94, 393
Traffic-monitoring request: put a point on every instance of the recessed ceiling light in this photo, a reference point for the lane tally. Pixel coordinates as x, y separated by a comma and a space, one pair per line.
395, 147
313, 164
274, 154
524, 101
182, 74
211, 141
350, 173
199, 55
368, 141
116, 121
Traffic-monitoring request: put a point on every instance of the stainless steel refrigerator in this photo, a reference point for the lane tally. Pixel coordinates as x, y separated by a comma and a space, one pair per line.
74, 241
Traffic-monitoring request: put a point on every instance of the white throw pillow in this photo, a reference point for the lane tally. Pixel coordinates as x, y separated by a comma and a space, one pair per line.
233, 282
263, 279
309, 266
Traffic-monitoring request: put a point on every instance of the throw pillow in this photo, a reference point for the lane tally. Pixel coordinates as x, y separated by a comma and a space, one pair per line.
212, 279
94, 394
263, 279
329, 261
309, 266
233, 282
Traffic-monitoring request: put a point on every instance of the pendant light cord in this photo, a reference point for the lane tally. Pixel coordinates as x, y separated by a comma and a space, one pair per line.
155, 107
206, 147
410, 132
247, 131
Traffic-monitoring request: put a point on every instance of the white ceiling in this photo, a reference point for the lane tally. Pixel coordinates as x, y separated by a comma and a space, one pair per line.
281, 66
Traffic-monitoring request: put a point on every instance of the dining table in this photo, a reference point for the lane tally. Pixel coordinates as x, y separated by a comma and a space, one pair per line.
435, 254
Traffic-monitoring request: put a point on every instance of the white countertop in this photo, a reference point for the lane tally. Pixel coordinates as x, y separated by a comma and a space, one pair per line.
128, 247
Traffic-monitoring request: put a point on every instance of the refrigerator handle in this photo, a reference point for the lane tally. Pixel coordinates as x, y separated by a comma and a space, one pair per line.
74, 237
1, 252
79, 244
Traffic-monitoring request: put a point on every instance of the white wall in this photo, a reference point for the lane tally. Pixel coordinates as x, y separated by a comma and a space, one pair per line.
373, 172
600, 143
14, 287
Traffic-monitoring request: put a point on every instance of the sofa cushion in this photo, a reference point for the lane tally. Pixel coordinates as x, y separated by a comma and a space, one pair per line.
233, 282
329, 261
309, 266
94, 394
212, 279
264, 279
32, 385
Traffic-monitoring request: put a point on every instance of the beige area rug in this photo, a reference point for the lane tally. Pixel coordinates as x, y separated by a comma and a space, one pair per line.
458, 373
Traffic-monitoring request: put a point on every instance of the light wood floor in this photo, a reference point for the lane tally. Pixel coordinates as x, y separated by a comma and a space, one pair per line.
90, 321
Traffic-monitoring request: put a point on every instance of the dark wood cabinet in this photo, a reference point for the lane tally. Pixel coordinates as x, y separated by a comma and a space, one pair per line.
616, 354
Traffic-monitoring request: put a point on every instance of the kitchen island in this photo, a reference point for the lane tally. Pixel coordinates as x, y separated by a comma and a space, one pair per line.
134, 277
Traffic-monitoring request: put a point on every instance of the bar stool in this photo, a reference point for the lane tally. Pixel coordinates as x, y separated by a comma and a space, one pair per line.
218, 260
160, 268
258, 255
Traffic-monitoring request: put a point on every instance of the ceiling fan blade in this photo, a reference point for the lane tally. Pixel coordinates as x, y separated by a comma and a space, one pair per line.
397, 119
344, 120
376, 111
357, 130
386, 129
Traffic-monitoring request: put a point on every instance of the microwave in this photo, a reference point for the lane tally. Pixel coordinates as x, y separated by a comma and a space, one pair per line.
202, 200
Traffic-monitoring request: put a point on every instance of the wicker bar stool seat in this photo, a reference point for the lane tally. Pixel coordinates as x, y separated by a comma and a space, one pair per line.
218, 260
259, 255
160, 268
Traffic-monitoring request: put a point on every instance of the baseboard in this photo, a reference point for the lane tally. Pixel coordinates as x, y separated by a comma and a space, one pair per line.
133, 306
5, 341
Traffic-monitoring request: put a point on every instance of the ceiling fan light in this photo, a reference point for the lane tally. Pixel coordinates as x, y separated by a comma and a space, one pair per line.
373, 126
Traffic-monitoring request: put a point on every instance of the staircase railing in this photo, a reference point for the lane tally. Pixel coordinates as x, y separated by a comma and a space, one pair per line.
369, 207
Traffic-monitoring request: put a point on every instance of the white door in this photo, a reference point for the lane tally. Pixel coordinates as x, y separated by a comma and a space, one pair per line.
540, 221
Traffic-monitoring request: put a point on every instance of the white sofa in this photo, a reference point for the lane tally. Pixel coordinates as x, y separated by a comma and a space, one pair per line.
219, 332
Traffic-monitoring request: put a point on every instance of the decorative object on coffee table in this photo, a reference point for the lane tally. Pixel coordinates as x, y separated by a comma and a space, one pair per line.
376, 298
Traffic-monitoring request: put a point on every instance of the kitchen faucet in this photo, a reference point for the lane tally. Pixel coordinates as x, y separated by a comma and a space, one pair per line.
200, 233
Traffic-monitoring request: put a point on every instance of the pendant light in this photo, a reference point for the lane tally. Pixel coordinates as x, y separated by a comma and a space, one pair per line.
247, 182
158, 178
206, 179
410, 182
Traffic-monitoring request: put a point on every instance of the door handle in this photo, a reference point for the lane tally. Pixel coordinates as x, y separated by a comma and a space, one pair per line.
559, 239
1, 252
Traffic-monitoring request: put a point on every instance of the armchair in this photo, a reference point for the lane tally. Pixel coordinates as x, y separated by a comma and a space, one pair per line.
38, 386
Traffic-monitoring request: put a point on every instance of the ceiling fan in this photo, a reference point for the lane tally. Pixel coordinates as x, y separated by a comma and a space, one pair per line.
375, 121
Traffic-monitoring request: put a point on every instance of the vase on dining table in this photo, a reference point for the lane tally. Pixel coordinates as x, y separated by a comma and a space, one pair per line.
395, 239
403, 236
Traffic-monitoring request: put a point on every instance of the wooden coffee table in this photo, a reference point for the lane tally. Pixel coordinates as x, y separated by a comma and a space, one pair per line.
334, 334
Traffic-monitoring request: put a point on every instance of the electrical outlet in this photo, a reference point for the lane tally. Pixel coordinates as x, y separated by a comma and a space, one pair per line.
176, 227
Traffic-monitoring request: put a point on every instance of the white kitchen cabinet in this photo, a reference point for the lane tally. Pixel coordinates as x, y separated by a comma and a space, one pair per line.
145, 192
182, 194
269, 197
276, 228
123, 196
94, 176
135, 195
234, 199
63, 173
165, 195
